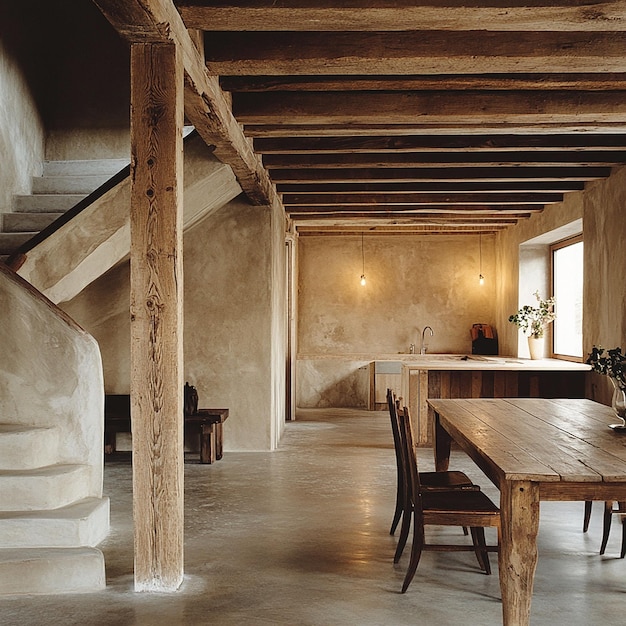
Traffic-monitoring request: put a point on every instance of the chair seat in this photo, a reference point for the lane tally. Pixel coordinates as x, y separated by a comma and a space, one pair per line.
446, 480
470, 508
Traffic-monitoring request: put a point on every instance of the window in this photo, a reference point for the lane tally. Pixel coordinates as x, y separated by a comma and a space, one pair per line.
567, 289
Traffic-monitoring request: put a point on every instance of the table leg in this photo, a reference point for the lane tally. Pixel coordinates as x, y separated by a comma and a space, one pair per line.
517, 560
441, 445
207, 443
219, 434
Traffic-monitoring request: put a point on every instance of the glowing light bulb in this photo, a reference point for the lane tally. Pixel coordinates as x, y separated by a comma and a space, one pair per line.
363, 280
481, 279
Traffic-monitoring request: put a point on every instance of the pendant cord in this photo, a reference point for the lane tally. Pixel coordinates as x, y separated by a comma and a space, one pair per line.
362, 255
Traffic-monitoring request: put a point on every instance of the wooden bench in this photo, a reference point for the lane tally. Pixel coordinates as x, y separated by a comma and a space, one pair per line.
207, 422
210, 423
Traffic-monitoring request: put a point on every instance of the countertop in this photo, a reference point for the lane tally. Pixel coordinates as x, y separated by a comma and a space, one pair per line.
478, 362
458, 361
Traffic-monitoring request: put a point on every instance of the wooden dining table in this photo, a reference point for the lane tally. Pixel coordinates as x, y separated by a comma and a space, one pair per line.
532, 449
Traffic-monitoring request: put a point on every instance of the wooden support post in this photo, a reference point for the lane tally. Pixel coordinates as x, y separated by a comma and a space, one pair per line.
156, 314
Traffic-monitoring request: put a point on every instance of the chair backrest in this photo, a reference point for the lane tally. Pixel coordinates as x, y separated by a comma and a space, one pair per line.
395, 429
411, 472
190, 405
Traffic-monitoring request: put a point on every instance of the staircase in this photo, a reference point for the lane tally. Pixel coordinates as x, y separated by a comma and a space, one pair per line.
49, 525
62, 186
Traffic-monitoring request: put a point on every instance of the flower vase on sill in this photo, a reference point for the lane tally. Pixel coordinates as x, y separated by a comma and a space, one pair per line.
536, 346
612, 363
533, 320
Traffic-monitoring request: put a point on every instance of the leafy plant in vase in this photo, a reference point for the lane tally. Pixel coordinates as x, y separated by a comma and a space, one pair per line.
612, 363
533, 320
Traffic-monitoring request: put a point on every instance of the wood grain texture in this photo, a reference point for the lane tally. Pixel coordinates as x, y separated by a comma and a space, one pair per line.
156, 314
371, 15
377, 84
478, 384
431, 107
517, 558
532, 449
206, 105
426, 52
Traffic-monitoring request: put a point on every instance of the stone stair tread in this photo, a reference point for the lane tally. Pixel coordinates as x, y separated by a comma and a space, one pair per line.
49, 185
10, 242
48, 487
46, 470
51, 570
107, 167
20, 428
22, 221
46, 202
26, 446
81, 523
75, 510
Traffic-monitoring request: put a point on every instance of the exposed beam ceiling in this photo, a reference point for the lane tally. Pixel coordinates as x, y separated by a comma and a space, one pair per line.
396, 116
206, 105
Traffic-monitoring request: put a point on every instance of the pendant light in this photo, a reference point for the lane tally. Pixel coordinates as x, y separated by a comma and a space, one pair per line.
363, 281
481, 278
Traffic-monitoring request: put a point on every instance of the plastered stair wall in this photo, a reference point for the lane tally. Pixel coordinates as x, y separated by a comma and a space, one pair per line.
62, 186
49, 527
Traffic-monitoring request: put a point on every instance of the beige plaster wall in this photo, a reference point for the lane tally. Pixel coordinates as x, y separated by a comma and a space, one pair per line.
231, 263
231, 260
21, 131
508, 265
605, 262
88, 143
601, 207
604, 321
412, 282
279, 361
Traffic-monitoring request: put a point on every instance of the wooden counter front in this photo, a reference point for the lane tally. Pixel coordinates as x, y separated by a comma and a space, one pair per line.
419, 384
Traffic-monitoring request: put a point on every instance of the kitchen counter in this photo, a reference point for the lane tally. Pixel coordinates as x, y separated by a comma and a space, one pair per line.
479, 362
474, 376
361, 379
453, 361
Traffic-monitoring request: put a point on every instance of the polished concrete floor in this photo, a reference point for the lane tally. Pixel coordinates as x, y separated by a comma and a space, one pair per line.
300, 537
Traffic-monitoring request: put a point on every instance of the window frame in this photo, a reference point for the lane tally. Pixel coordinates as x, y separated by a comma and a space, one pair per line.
559, 245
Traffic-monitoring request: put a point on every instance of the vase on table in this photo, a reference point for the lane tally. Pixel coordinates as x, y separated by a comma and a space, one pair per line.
535, 346
618, 404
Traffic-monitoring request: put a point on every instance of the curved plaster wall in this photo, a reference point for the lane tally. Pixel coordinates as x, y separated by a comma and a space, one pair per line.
51, 374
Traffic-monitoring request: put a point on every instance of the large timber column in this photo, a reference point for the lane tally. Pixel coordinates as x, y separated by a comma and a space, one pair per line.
156, 314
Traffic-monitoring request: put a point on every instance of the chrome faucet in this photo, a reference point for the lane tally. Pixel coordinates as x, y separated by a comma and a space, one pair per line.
423, 347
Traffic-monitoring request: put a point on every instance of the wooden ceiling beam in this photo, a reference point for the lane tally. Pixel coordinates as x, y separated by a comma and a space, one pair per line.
206, 105
507, 82
429, 174
404, 221
447, 128
394, 231
413, 52
433, 160
442, 143
439, 186
441, 210
421, 198
372, 15
434, 107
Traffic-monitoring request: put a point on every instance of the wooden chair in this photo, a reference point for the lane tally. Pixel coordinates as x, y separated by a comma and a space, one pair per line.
459, 507
429, 480
609, 511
